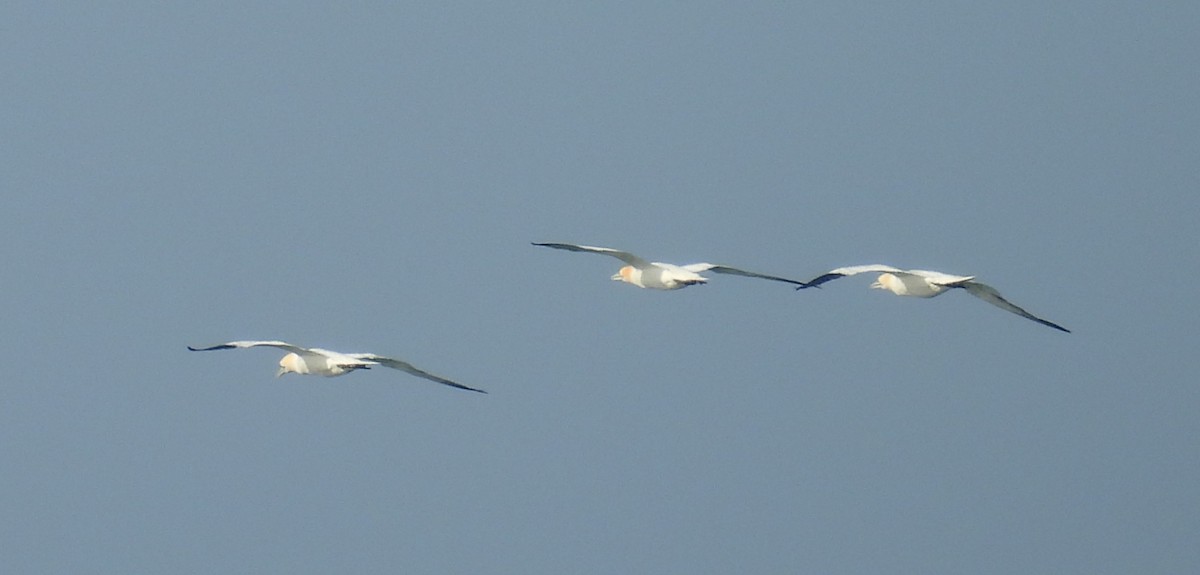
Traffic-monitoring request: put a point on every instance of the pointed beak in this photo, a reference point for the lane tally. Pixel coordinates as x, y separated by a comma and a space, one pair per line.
281, 371
616, 277
877, 285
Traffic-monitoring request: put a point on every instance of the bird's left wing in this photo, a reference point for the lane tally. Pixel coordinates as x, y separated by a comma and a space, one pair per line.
989, 294
247, 344
626, 257
408, 367
706, 267
848, 271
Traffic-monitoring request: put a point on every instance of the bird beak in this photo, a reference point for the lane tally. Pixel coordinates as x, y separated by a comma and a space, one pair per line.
877, 285
616, 277
280, 373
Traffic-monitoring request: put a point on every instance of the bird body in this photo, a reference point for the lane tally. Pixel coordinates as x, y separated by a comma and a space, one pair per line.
658, 275
320, 362
919, 283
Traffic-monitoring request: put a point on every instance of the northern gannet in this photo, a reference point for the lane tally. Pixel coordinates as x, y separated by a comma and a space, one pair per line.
924, 283
316, 361
656, 275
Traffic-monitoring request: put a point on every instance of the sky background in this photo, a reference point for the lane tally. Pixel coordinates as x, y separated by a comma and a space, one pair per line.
368, 177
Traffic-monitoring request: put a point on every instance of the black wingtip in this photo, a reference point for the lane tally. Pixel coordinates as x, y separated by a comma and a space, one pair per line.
213, 348
1051, 324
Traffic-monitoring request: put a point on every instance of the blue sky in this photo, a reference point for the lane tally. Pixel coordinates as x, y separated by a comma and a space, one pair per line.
368, 177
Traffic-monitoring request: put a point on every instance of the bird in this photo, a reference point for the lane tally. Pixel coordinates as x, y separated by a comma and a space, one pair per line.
660, 276
317, 361
926, 284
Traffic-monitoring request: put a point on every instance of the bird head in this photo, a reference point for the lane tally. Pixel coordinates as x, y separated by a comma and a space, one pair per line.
884, 281
625, 274
289, 364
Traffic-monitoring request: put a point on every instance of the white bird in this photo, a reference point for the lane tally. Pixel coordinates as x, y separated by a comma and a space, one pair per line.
656, 275
316, 361
923, 283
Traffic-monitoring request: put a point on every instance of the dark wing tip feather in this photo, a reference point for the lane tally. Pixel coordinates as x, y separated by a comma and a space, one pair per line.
454, 384
817, 281
449, 383
1054, 325
215, 347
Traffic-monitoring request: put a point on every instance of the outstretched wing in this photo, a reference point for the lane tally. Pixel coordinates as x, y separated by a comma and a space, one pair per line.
408, 367
939, 278
705, 267
848, 271
989, 294
623, 256
246, 344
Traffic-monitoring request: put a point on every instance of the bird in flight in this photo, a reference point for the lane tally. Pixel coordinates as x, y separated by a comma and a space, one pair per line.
316, 361
924, 283
656, 275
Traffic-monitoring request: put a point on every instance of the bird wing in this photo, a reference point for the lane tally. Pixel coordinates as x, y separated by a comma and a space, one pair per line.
989, 294
849, 271
706, 267
939, 278
246, 344
626, 257
408, 367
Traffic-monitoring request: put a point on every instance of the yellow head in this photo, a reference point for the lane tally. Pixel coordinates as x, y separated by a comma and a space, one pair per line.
291, 363
625, 274
885, 281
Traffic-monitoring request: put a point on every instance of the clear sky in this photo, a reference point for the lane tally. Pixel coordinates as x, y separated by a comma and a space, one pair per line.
368, 177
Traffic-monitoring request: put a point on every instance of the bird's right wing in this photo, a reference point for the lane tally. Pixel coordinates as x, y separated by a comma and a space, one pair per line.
410, 368
705, 267
989, 294
248, 344
623, 256
848, 271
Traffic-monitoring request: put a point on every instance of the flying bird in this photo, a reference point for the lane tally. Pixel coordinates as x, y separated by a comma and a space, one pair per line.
316, 361
923, 283
656, 275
